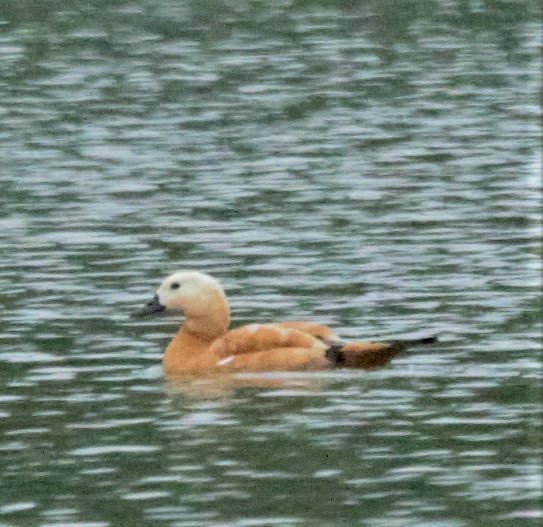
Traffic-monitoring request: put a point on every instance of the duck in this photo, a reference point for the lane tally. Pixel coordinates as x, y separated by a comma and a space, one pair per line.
206, 344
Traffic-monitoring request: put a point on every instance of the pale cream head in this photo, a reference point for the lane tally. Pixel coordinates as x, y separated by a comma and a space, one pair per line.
198, 296
186, 290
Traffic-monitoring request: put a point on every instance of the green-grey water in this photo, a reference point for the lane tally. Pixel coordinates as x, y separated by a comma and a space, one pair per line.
371, 165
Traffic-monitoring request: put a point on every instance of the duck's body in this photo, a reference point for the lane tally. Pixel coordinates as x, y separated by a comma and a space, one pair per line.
204, 344
254, 348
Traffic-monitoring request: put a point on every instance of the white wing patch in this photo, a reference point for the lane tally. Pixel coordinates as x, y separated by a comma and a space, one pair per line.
283, 333
252, 328
222, 362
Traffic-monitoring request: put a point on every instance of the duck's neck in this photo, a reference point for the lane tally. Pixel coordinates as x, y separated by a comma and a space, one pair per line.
204, 328
210, 325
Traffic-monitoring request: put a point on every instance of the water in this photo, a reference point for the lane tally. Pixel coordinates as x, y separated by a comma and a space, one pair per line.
374, 166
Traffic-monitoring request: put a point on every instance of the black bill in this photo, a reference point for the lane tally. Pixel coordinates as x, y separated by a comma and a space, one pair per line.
152, 307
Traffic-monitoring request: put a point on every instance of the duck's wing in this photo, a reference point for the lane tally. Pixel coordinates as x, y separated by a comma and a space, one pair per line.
256, 338
281, 346
318, 331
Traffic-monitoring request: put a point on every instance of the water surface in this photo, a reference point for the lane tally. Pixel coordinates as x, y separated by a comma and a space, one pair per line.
372, 165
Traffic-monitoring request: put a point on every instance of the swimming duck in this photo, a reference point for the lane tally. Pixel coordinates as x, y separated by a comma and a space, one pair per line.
205, 344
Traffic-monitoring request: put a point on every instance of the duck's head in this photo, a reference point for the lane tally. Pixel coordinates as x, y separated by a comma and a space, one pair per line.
197, 295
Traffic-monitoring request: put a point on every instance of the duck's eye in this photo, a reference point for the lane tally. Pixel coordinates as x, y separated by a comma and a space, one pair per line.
175, 285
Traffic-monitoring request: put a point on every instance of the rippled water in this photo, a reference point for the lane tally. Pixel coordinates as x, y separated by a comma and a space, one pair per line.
371, 165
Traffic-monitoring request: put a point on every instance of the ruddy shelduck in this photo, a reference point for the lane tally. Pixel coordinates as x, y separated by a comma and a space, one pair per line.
205, 344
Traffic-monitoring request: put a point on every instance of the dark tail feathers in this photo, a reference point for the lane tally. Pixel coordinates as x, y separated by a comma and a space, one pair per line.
367, 355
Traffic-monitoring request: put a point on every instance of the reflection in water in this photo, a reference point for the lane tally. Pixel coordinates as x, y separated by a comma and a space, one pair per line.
227, 385
373, 164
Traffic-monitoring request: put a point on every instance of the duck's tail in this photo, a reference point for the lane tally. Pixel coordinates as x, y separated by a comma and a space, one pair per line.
367, 355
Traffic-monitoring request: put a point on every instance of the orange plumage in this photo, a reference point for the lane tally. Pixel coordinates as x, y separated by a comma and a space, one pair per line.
204, 344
